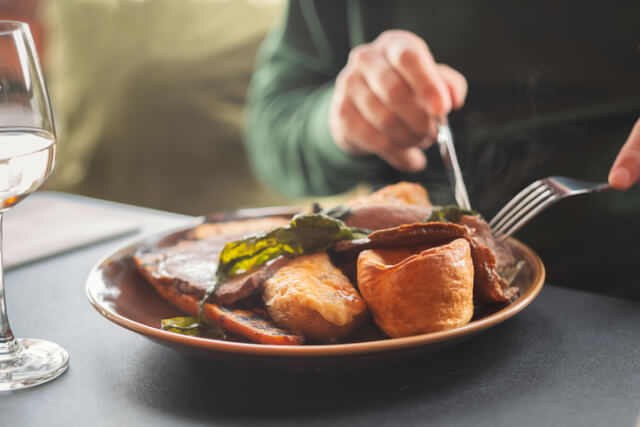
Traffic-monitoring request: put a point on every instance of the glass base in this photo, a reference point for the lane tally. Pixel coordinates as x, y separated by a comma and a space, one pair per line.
37, 362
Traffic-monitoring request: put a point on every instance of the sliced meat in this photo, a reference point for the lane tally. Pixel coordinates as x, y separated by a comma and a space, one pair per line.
190, 267
489, 286
380, 216
482, 234
252, 325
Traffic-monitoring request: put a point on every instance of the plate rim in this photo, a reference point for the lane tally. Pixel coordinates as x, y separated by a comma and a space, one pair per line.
313, 350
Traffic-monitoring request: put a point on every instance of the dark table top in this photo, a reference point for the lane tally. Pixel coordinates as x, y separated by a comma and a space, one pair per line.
571, 358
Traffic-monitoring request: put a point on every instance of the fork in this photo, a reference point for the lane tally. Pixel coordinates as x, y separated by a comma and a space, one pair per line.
535, 198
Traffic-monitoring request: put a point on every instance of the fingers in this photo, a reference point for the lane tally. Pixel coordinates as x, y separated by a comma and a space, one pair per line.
392, 90
456, 83
362, 137
412, 59
388, 96
626, 168
378, 114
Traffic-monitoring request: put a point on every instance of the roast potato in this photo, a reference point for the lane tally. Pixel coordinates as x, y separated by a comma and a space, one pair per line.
311, 297
400, 194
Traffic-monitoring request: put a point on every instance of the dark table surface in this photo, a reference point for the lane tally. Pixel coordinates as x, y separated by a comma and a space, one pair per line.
571, 358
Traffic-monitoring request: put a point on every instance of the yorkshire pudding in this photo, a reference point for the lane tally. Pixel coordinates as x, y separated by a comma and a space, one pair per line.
411, 293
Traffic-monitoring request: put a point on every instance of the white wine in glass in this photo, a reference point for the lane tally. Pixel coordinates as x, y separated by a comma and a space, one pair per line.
27, 156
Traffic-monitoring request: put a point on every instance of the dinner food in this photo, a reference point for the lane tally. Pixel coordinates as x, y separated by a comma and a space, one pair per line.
381, 216
489, 285
400, 194
317, 277
413, 292
312, 297
237, 228
190, 268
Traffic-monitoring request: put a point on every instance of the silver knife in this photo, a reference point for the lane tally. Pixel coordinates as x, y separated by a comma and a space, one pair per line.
450, 160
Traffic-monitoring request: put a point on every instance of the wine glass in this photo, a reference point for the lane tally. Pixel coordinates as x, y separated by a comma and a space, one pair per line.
27, 155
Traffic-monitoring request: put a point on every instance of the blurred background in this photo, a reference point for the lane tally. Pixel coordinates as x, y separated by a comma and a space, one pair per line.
148, 97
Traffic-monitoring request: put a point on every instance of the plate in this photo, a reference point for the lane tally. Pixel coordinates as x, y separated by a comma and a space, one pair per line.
122, 295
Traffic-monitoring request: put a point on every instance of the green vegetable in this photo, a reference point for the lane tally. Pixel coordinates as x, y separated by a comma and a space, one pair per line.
305, 234
192, 326
182, 325
449, 214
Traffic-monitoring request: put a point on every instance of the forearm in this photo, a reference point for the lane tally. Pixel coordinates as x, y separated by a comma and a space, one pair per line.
287, 131
290, 147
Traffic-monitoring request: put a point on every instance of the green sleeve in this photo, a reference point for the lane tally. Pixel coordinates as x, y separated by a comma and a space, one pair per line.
287, 135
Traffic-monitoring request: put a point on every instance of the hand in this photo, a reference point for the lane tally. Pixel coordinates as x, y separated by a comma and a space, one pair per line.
387, 97
626, 169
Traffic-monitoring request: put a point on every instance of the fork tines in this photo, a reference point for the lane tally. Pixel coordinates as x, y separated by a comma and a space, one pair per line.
526, 204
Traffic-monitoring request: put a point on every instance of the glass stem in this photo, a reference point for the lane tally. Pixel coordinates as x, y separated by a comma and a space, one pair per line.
9, 347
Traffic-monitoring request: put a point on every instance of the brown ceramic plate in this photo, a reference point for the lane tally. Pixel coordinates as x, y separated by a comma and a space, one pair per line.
119, 293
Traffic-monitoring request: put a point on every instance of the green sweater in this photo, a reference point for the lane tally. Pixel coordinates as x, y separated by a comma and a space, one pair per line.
554, 89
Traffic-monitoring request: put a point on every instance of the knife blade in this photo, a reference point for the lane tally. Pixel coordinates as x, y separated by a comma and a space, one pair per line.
450, 160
